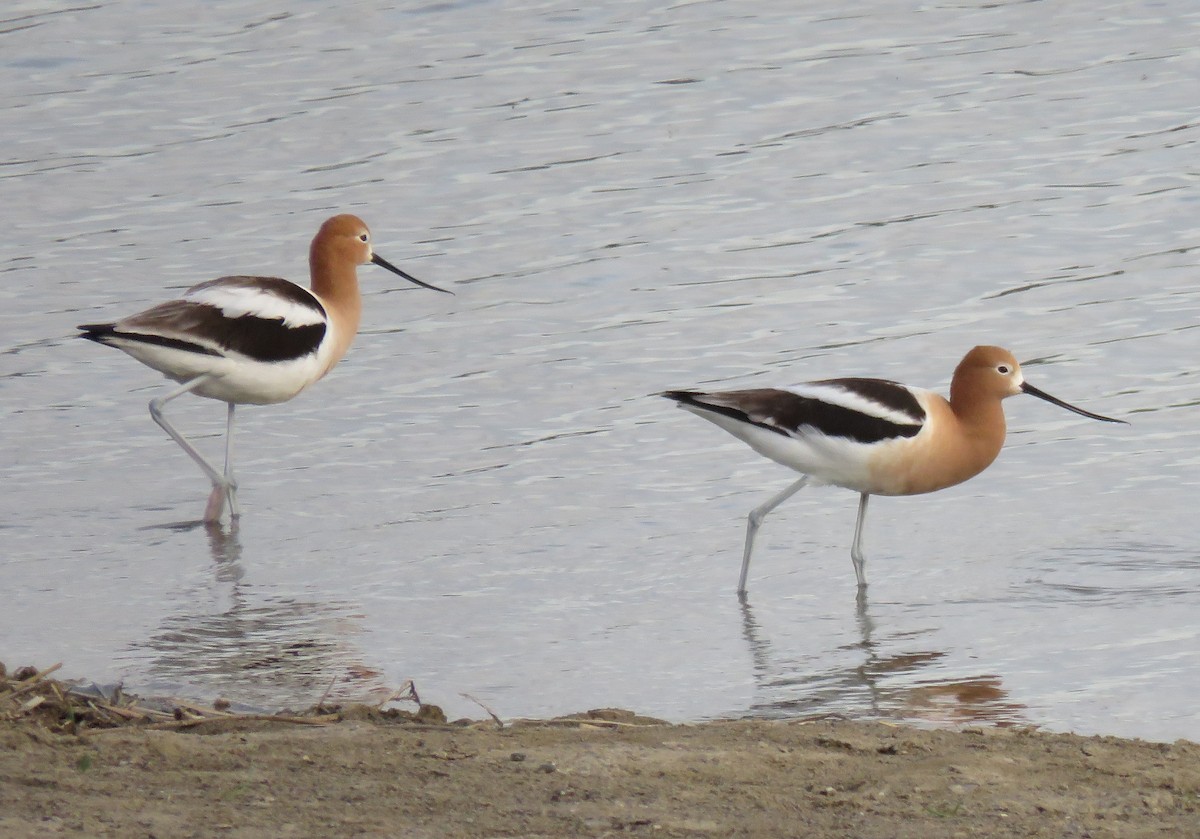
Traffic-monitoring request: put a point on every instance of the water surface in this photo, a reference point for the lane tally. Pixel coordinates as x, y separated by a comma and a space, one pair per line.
485, 496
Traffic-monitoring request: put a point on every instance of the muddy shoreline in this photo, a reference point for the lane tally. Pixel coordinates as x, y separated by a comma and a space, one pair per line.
360, 771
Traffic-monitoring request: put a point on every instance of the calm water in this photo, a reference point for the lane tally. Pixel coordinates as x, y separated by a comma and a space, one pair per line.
485, 497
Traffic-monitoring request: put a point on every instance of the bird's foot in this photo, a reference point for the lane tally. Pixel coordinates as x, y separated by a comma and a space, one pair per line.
216, 503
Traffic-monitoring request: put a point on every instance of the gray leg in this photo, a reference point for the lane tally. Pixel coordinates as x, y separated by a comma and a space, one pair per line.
856, 554
227, 489
755, 519
230, 481
216, 501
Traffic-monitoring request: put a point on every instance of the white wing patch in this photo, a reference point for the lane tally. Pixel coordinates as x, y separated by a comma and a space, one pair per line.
833, 395
236, 300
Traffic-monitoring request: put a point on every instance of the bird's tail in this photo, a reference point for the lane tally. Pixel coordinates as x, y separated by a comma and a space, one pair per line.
96, 331
684, 396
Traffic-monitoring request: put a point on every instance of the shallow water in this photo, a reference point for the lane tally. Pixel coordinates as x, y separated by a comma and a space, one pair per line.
485, 497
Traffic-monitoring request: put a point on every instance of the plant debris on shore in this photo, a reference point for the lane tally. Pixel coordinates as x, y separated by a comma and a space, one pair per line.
83, 762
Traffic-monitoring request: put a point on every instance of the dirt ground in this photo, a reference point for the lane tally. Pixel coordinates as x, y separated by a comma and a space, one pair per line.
612, 774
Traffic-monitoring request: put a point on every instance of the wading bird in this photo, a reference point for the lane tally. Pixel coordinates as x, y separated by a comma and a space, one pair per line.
874, 436
251, 340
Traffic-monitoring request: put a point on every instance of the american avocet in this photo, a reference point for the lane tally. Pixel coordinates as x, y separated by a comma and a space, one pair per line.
873, 436
252, 340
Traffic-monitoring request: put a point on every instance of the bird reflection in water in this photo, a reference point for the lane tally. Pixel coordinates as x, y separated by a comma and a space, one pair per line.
262, 650
867, 682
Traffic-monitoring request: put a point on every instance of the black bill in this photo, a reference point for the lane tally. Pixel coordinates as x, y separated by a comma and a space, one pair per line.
383, 263
1041, 394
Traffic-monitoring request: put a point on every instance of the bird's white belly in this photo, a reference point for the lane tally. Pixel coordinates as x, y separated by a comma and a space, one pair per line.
826, 460
237, 380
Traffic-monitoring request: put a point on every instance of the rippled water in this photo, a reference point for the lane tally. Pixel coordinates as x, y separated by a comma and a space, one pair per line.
485, 497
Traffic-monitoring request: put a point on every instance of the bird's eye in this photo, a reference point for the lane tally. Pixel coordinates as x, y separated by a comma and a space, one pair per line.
362, 237
1003, 369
